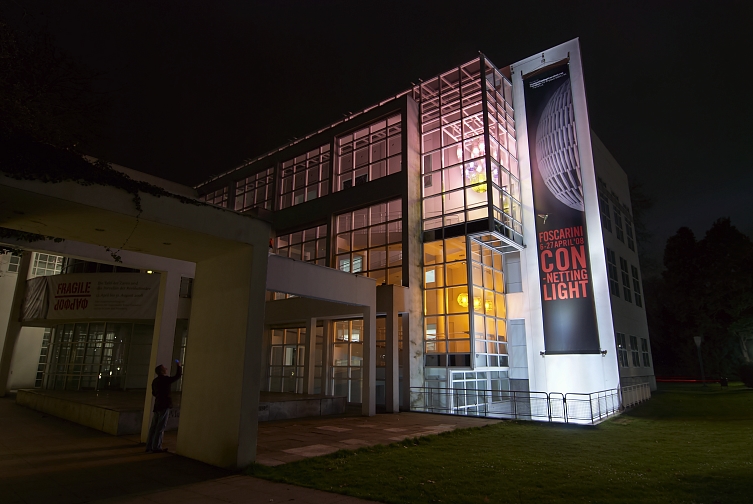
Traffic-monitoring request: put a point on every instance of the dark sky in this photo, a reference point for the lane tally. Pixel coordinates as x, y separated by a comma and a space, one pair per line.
199, 86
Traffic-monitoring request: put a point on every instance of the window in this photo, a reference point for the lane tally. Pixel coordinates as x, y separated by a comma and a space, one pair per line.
370, 241
186, 288
606, 221
487, 305
625, 280
622, 353
455, 158
347, 359
618, 224
46, 265
254, 191
286, 360
309, 245
634, 351
645, 353
629, 232
370, 153
218, 197
637, 286
305, 178
614, 286
14, 261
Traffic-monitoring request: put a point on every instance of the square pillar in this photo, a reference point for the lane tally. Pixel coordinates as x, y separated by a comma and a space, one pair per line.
368, 394
13, 325
406, 360
392, 371
163, 339
326, 356
309, 366
220, 400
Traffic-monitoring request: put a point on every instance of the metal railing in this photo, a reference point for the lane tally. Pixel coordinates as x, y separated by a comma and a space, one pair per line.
590, 408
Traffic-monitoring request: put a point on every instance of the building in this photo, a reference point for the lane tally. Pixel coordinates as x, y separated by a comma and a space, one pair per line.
485, 194
463, 247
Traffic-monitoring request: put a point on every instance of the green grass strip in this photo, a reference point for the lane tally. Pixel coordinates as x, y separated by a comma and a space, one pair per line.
686, 445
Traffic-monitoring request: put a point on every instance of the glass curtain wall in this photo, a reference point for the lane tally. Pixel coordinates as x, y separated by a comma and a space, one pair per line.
370, 241
447, 333
453, 148
88, 356
381, 355
255, 191
347, 359
305, 177
468, 149
503, 154
309, 245
370, 153
489, 309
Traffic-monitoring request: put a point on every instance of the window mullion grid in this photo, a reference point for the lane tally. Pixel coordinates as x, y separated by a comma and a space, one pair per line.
487, 143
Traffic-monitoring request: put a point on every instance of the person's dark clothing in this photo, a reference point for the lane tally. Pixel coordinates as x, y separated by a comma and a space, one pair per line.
161, 390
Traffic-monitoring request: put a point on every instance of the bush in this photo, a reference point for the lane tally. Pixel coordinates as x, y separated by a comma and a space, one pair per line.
746, 374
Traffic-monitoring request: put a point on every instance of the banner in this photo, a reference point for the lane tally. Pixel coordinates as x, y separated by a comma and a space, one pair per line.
92, 296
567, 300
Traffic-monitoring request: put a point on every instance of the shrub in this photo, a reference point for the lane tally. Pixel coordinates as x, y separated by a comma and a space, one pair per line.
746, 374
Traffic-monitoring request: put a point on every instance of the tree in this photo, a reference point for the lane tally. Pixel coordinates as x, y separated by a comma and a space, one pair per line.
706, 290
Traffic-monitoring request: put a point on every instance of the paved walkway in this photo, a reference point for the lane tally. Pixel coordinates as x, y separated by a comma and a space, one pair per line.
44, 459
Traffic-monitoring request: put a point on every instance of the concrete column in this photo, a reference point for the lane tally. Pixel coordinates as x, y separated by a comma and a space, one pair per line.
220, 403
405, 405
392, 371
368, 393
13, 327
309, 367
163, 339
326, 356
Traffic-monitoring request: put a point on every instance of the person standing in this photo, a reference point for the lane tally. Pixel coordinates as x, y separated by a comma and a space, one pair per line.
162, 404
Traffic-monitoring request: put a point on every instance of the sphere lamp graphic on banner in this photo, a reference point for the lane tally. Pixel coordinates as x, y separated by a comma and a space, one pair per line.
557, 149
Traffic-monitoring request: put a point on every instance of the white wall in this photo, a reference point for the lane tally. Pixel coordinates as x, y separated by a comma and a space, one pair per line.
563, 373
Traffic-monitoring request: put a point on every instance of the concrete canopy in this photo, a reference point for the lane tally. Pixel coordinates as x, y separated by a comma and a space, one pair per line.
221, 390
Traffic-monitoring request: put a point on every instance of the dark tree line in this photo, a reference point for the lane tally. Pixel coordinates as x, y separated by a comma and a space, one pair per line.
706, 290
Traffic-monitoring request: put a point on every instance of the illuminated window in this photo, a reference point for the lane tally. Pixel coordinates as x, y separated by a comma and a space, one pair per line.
218, 197
370, 153
637, 286
614, 286
286, 360
455, 160
347, 359
488, 307
645, 352
369, 241
305, 177
309, 245
254, 191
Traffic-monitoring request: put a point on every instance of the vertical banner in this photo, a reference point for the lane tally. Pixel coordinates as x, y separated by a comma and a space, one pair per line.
567, 300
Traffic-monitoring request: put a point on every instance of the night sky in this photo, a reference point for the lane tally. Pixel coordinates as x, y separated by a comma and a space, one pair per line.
197, 87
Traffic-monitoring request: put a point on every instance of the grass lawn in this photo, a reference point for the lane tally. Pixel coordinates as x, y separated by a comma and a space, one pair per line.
687, 444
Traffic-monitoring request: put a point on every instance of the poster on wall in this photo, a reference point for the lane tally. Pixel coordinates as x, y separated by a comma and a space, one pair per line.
91, 296
567, 300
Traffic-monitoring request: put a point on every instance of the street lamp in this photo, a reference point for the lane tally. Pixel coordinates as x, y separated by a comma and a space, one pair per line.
697, 340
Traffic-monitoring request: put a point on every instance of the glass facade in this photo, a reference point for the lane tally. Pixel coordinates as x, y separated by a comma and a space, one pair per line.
89, 355
255, 191
347, 359
489, 308
305, 177
286, 359
370, 241
309, 245
469, 161
372, 152
218, 197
